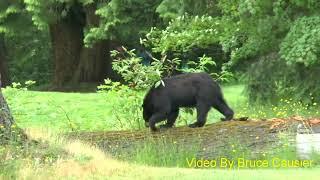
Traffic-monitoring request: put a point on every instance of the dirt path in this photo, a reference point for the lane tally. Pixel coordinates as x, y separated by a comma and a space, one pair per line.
212, 140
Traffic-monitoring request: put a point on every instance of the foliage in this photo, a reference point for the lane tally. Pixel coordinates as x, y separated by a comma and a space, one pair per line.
9, 16
128, 101
27, 84
245, 30
271, 78
255, 29
251, 27
45, 12
172, 9
183, 33
203, 66
301, 45
118, 19
186, 34
123, 20
242, 29
29, 56
138, 76
28, 49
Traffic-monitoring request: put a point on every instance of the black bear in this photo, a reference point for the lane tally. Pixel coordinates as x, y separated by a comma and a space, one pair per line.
185, 90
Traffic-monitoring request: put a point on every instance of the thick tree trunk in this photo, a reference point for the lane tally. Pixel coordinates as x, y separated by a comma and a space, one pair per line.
95, 62
75, 63
66, 38
3, 62
8, 129
6, 119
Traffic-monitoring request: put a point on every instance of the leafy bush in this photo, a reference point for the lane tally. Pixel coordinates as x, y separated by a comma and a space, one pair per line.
140, 76
127, 108
271, 79
301, 44
203, 66
183, 33
133, 71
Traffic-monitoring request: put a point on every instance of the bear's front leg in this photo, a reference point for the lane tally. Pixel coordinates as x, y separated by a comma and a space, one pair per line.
171, 119
155, 118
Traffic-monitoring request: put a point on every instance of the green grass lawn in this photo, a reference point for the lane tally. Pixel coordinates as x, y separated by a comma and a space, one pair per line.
83, 111
94, 111
55, 110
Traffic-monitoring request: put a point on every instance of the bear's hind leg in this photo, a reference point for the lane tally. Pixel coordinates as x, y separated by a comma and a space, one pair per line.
202, 112
171, 119
224, 109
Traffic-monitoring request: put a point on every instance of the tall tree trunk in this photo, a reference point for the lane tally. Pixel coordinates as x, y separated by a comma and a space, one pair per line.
66, 38
75, 63
6, 119
3, 62
95, 63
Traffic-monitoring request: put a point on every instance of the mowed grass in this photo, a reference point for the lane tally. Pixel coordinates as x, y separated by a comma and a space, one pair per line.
81, 111
95, 111
61, 111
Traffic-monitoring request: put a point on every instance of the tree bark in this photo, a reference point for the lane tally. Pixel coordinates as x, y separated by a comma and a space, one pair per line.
95, 62
6, 119
75, 63
3, 62
66, 38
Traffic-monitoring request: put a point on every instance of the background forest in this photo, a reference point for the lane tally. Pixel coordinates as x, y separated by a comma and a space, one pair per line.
271, 46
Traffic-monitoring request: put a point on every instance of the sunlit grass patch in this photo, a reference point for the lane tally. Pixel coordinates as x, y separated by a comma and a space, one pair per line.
55, 157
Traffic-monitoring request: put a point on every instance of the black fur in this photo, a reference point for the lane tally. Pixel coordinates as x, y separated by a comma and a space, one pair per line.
186, 90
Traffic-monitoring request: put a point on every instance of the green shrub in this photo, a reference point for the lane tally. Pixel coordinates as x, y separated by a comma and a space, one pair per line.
127, 109
271, 79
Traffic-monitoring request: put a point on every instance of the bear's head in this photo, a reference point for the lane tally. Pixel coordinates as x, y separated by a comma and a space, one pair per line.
147, 111
147, 108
